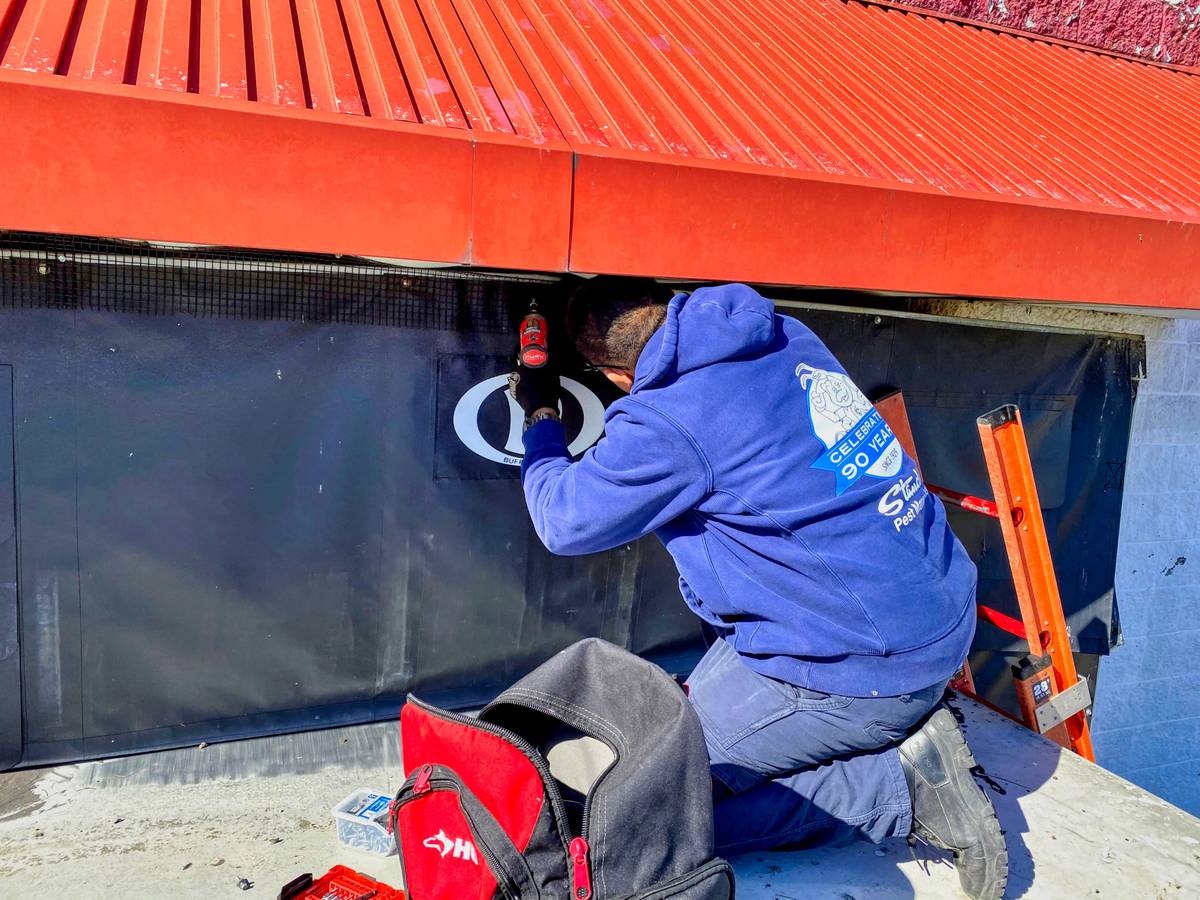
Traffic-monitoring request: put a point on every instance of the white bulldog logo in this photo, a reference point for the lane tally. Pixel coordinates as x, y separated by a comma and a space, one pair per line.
857, 439
834, 402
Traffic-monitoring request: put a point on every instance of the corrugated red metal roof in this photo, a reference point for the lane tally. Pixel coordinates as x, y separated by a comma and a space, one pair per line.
558, 107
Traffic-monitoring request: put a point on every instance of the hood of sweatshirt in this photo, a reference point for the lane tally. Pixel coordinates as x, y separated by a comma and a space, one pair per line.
707, 326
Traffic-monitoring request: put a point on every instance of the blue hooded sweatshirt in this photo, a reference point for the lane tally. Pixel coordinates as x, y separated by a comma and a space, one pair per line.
800, 528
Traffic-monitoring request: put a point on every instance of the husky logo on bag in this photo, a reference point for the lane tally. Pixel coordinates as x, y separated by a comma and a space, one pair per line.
444, 845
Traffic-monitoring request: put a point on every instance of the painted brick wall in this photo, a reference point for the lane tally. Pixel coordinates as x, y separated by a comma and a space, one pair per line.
1146, 722
1162, 30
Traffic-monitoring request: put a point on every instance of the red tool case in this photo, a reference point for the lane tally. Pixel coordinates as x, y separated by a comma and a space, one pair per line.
339, 883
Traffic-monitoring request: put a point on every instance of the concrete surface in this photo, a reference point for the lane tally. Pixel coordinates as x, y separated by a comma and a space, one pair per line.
191, 823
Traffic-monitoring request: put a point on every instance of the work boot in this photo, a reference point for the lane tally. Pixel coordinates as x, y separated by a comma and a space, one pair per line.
950, 811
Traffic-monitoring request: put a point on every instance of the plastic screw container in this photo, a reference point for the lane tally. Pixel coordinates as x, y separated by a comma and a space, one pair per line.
361, 821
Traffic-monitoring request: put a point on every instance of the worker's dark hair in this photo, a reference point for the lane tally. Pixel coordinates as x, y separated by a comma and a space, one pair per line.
610, 319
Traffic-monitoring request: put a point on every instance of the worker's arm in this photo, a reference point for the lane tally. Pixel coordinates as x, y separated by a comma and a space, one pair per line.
644, 472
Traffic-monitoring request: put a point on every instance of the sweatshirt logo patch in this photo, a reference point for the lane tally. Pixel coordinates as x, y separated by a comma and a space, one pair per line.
857, 440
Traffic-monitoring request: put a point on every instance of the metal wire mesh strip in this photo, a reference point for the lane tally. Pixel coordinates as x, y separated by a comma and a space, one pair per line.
68, 272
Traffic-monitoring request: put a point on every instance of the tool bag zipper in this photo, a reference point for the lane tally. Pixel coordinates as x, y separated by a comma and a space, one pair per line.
581, 873
429, 779
579, 848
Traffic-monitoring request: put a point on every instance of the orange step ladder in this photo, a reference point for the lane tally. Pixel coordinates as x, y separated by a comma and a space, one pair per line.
1053, 698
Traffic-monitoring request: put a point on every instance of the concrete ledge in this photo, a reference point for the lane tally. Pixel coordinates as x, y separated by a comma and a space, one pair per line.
191, 823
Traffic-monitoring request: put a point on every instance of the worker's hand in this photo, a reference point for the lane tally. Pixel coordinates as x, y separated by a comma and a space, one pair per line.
535, 389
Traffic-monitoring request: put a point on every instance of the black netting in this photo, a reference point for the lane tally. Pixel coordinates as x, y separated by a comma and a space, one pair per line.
68, 272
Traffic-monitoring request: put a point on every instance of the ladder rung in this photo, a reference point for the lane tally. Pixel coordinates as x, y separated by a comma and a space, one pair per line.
1004, 622
966, 501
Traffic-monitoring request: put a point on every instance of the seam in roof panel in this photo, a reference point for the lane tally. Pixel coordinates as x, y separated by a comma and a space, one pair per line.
298, 38
1118, 111
489, 36
247, 48
874, 69
629, 71
609, 101
381, 104
395, 74
811, 63
498, 72
712, 92
1023, 102
1018, 121
404, 75
678, 96
458, 57
8, 24
137, 32
513, 24
466, 53
311, 45
984, 163
451, 87
343, 71
1001, 117
67, 49
367, 73
698, 34
574, 123
490, 92
421, 63
806, 131
869, 162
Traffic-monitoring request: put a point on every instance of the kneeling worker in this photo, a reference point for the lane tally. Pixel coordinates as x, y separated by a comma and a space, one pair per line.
805, 538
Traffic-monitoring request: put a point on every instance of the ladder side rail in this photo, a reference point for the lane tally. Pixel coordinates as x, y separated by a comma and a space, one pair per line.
1010, 470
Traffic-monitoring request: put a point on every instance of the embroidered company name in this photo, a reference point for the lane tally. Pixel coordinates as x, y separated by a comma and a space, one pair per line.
908, 491
858, 450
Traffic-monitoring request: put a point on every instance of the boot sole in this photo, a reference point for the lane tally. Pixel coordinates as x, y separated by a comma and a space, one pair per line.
991, 846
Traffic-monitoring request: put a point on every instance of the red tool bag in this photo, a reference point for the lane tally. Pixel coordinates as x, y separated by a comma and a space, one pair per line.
587, 779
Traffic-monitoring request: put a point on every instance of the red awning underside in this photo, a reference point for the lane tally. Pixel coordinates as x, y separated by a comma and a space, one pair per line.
811, 142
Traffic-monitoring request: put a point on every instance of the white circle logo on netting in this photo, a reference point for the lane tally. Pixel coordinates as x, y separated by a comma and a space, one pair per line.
466, 420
